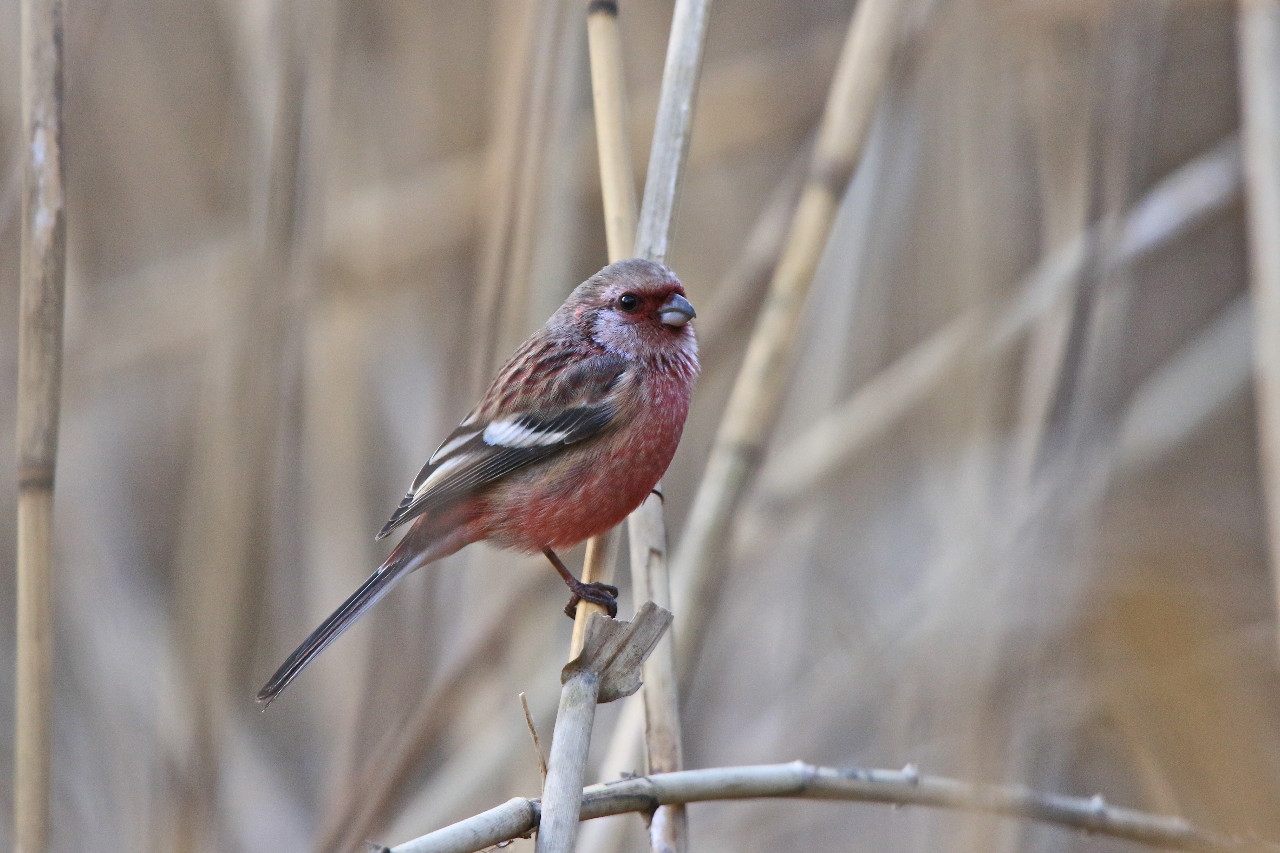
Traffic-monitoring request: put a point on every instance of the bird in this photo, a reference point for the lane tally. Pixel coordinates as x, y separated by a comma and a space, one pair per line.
574, 432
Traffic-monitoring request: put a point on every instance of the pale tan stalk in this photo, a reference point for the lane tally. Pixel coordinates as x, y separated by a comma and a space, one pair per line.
1259, 34
609, 98
672, 130
668, 153
664, 749
43, 279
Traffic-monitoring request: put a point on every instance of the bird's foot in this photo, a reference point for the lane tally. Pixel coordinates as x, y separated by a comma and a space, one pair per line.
603, 594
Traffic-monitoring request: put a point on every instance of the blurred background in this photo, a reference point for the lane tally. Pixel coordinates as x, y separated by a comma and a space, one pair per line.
1009, 526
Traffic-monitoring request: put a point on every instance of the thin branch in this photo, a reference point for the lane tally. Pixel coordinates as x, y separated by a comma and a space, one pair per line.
1259, 35
907, 787
43, 279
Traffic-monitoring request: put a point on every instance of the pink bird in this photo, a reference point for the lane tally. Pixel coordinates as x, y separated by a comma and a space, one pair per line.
572, 435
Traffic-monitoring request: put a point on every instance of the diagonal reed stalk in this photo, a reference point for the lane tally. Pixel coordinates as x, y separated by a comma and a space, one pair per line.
1185, 199
757, 393
1259, 34
43, 277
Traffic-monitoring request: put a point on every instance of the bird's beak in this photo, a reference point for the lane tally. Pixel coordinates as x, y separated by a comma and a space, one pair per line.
676, 311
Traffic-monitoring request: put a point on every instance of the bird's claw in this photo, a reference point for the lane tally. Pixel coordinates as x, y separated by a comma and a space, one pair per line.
603, 594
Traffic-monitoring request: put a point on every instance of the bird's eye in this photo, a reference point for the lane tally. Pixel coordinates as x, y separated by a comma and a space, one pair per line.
628, 302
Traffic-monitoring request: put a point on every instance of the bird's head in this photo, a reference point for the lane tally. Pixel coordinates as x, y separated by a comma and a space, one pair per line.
636, 308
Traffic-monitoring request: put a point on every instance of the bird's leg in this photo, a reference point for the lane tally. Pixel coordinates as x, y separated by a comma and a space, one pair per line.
602, 594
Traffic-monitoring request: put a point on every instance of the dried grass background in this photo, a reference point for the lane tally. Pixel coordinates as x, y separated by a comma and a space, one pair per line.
301, 235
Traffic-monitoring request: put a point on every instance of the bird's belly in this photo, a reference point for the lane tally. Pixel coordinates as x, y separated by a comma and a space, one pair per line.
560, 503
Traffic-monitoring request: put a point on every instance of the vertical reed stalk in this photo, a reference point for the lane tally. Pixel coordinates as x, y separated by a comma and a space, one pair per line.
1259, 34
609, 97
663, 735
43, 277
672, 128
667, 155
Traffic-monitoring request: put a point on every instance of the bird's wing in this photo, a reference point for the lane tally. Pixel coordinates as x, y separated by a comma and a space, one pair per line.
580, 404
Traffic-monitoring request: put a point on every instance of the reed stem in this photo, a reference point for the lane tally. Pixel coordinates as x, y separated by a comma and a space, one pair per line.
43, 279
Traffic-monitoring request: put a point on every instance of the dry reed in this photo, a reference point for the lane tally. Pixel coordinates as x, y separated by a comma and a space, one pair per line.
752, 409
618, 194
43, 280
1259, 30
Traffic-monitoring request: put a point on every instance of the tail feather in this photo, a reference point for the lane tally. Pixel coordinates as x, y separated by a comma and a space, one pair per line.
378, 585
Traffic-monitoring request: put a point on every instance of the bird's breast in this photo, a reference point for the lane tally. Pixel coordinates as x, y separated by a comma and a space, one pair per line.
588, 488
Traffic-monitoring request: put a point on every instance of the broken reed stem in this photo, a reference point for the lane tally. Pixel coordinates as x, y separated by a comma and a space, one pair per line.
43, 279
907, 787
754, 401
609, 668
567, 764
1259, 35
618, 192
533, 735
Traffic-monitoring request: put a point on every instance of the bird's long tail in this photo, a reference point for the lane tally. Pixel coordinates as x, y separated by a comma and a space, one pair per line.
402, 561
